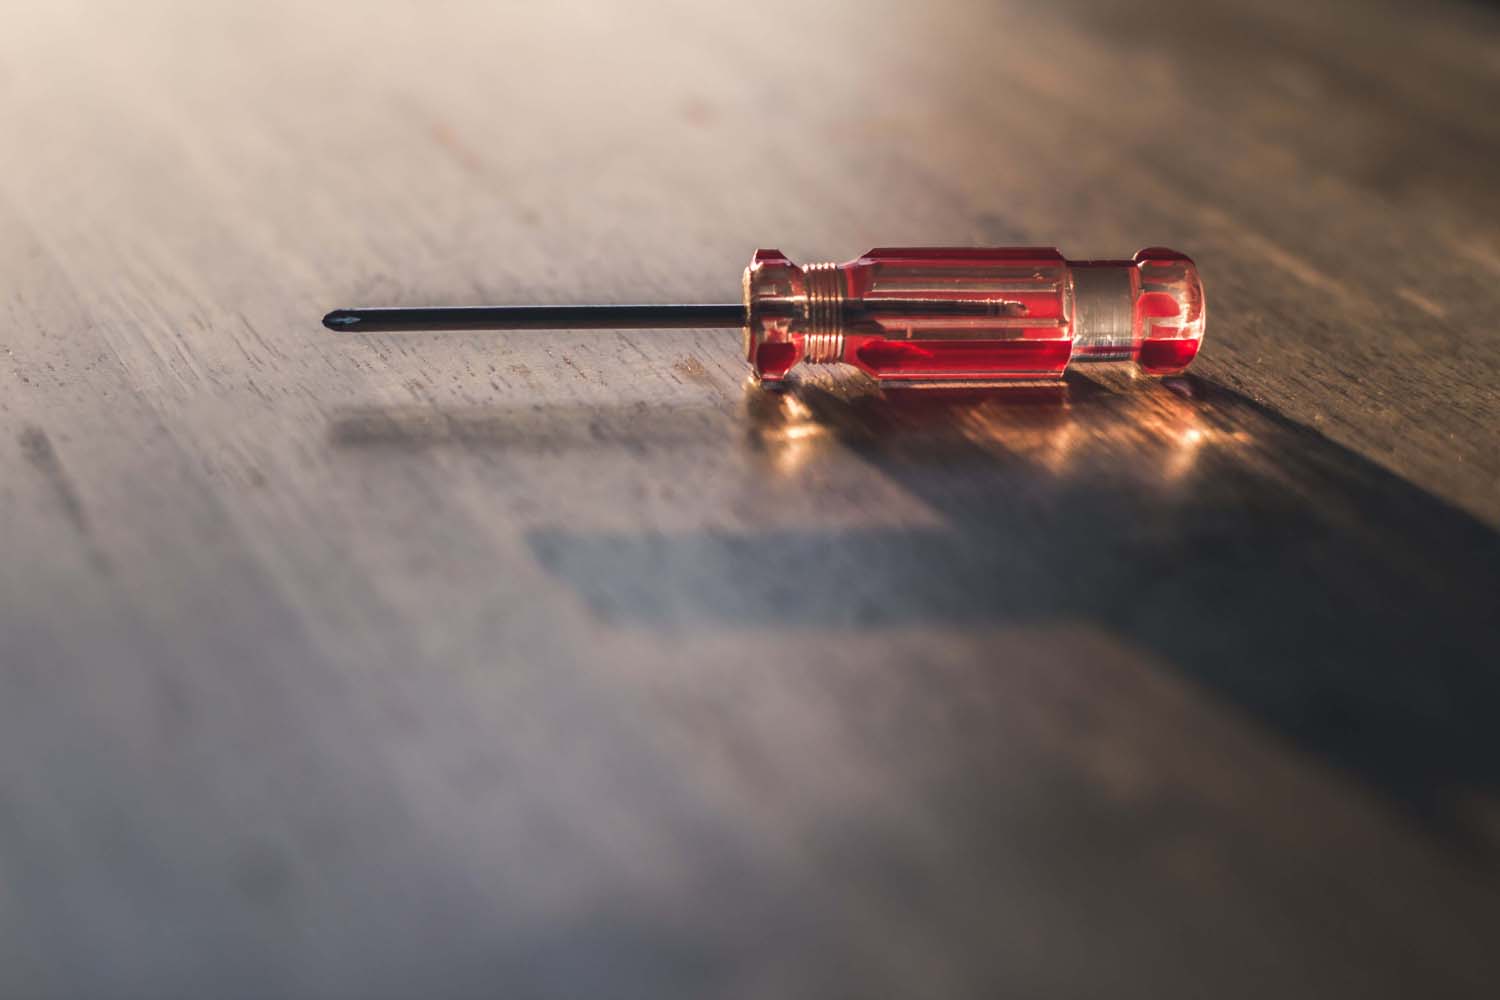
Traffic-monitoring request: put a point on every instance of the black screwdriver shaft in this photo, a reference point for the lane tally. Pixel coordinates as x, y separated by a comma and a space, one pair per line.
592, 317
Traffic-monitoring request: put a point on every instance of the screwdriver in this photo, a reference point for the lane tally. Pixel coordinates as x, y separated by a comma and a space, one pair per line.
915, 314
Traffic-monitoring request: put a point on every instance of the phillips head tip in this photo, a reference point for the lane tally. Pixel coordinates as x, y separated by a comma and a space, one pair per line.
342, 320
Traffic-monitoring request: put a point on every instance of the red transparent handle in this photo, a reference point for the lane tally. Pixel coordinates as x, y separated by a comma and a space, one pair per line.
964, 314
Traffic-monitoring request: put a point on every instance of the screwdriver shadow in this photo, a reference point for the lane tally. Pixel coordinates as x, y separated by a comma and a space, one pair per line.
534, 429
1333, 601
1341, 606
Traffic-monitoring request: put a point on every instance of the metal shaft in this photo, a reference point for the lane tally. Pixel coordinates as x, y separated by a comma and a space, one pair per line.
591, 317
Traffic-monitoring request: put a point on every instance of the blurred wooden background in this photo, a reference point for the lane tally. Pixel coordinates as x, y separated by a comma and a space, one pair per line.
571, 665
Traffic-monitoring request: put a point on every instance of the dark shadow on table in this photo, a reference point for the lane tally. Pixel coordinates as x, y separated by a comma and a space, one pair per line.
1335, 602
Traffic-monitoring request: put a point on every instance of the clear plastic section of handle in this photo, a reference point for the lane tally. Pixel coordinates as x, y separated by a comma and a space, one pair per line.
969, 314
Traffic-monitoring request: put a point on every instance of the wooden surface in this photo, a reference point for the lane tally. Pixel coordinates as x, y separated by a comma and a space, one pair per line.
571, 665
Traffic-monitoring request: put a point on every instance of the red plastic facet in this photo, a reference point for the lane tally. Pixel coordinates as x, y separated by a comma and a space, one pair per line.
961, 359
776, 358
1166, 357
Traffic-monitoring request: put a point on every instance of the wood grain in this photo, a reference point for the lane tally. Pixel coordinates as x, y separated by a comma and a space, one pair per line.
561, 665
